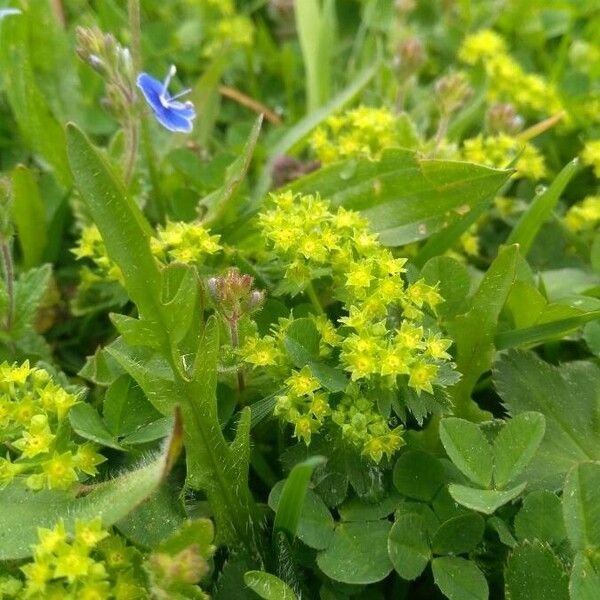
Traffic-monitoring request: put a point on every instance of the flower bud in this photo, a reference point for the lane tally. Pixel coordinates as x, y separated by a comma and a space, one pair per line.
410, 57
232, 294
502, 118
452, 92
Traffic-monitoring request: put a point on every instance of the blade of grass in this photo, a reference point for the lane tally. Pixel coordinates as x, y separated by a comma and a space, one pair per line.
541, 208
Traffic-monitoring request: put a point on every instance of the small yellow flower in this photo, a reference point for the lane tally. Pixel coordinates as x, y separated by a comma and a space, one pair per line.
422, 376
302, 382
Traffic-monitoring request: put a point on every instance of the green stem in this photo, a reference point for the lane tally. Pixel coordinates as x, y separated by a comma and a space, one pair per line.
314, 299
9, 276
235, 342
133, 8
130, 151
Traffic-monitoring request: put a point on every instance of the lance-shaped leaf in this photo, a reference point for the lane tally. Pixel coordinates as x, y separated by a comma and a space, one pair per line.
405, 198
474, 331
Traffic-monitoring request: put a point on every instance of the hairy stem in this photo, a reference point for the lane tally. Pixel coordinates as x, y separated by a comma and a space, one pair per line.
441, 130
133, 7
9, 276
235, 342
131, 147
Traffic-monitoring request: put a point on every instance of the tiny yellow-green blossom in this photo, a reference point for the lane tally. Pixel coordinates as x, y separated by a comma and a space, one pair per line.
302, 382
260, 352
360, 132
60, 471
590, 155
436, 346
585, 215
484, 44
507, 79
184, 242
422, 376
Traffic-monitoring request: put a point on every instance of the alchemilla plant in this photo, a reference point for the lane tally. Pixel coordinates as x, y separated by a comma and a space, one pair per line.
299, 300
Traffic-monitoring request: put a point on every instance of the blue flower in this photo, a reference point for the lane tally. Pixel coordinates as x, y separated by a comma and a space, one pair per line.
174, 115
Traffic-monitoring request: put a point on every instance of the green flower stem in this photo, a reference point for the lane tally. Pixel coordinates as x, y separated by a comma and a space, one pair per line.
9, 277
235, 342
131, 148
133, 8
314, 299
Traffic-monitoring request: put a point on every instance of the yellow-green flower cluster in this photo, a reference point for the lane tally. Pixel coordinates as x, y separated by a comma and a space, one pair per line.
177, 241
90, 245
507, 79
365, 428
499, 150
585, 215
88, 565
381, 340
590, 155
230, 30
33, 408
184, 243
360, 132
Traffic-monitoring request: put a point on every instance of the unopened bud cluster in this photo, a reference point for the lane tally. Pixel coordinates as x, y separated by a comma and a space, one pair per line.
452, 91
113, 61
233, 295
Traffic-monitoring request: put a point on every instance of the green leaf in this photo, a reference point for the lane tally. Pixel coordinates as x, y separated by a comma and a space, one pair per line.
581, 506
315, 24
458, 535
28, 103
155, 519
125, 408
408, 546
584, 583
503, 531
86, 422
540, 210
454, 284
418, 475
315, 526
540, 518
459, 579
468, 449
357, 509
533, 572
124, 229
302, 345
156, 430
22, 510
405, 198
200, 532
217, 203
268, 586
29, 215
30, 289
474, 331
358, 553
516, 445
567, 396
289, 507
485, 501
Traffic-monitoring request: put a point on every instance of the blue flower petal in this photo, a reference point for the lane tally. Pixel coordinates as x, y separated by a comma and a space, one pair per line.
173, 120
151, 88
175, 116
